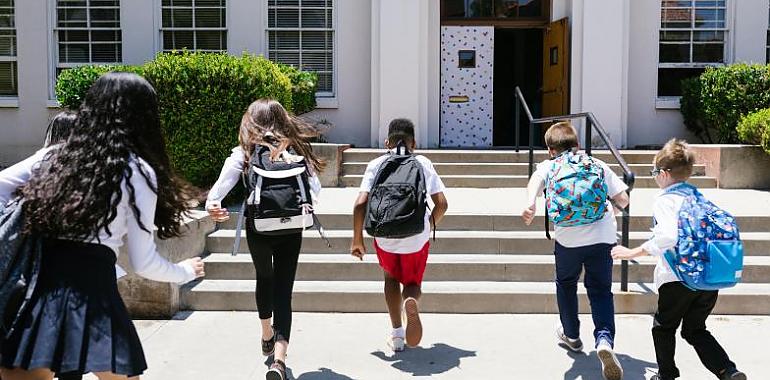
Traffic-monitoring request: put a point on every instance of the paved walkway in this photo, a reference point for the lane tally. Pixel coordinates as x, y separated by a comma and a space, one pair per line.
224, 346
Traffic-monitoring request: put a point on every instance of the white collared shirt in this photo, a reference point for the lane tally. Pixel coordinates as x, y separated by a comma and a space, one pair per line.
665, 234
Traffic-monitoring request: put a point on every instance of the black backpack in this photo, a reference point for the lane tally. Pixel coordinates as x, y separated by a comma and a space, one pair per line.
279, 200
19, 264
398, 199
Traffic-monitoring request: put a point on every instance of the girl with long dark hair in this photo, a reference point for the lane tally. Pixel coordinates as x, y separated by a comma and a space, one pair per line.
267, 124
109, 182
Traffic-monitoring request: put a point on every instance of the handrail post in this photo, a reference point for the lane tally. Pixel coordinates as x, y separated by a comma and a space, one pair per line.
589, 131
517, 122
624, 240
531, 148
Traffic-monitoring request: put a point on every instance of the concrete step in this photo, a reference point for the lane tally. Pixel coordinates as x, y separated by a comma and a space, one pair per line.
459, 242
470, 222
495, 156
532, 268
453, 297
488, 168
494, 181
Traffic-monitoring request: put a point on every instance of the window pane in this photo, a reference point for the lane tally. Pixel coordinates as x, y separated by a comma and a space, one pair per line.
72, 17
325, 82
210, 18
74, 53
105, 18
671, 53
670, 80
316, 41
73, 36
179, 39
181, 18
676, 3
286, 18
106, 53
210, 40
8, 43
8, 79
675, 36
284, 40
709, 3
676, 18
313, 18
708, 53
709, 36
6, 21
709, 18
105, 35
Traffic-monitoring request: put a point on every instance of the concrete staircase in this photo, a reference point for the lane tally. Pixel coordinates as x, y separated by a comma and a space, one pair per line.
485, 259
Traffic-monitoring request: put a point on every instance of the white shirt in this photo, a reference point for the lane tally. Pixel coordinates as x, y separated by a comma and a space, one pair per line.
665, 234
602, 231
142, 251
231, 174
433, 185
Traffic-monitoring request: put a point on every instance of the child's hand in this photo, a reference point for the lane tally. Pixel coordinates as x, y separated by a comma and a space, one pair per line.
197, 265
358, 249
218, 213
528, 215
623, 253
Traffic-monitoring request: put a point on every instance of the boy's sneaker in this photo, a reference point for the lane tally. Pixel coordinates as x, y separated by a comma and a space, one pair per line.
733, 374
611, 368
413, 323
574, 345
396, 343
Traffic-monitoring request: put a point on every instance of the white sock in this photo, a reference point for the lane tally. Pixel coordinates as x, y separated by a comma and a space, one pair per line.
399, 332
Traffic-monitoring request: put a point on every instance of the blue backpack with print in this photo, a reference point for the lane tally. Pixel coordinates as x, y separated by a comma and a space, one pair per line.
575, 191
709, 252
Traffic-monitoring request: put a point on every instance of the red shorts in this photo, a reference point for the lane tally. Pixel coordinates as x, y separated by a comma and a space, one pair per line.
407, 268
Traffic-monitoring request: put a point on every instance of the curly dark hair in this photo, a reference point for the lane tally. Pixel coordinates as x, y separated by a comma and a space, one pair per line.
76, 190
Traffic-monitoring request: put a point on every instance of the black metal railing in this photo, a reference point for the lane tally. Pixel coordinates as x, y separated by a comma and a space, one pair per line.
591, 125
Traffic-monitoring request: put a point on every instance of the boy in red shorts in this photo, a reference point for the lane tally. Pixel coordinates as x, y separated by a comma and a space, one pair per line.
403, 260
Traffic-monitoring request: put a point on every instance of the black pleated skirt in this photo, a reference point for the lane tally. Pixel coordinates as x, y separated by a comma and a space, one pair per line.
76, 321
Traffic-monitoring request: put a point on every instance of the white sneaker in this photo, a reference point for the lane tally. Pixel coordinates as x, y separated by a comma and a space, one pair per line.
574, 345
411, 316
611, 368
396, 343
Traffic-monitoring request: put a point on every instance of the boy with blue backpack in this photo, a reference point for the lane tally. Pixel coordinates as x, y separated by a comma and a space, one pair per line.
699, 251
580, 192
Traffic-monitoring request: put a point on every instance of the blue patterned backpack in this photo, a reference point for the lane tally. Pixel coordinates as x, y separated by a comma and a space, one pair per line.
575, 190
709, 253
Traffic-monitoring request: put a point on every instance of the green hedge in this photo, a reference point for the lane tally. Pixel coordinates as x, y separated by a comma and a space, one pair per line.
202, 99
726, 94
754, 128
304, 86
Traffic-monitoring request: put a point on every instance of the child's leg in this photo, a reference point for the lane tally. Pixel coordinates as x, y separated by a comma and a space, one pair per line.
711, 354
285, 262
262, 258
598, 283
569, 263
673, 301
393, 299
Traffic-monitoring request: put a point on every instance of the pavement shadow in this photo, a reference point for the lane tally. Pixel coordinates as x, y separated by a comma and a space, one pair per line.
420, 361
320, 374
587, 366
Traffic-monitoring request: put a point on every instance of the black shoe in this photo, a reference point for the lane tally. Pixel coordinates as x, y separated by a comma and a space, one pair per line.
268, 346
733, 374
659, 377
277, 371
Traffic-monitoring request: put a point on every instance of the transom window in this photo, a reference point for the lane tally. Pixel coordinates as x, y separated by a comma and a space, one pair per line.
9, 85
497, 9
87, 31
300, 33
199, 25
692, 37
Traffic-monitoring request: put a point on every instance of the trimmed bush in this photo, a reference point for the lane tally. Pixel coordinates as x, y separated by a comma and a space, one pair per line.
730, 92
202, 99
754, 128
304, 86
692, 110
72, 84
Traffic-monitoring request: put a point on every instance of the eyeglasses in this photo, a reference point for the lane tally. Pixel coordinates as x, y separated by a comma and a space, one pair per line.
655, 171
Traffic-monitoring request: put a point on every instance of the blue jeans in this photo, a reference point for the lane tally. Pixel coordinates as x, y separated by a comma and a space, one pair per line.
598, 282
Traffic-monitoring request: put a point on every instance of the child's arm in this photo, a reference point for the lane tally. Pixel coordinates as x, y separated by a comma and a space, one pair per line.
357, 247
228, 177
664, 234
440, 205
534, 188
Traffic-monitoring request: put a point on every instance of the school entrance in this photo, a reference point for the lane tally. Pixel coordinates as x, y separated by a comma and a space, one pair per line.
488, 47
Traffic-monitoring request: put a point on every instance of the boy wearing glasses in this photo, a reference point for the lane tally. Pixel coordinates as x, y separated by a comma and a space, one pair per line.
676, 302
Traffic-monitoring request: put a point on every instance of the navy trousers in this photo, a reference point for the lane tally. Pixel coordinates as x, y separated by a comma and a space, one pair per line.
597, 262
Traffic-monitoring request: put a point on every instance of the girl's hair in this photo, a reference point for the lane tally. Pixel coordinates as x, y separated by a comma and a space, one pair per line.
267, 123
76, 191
59, 128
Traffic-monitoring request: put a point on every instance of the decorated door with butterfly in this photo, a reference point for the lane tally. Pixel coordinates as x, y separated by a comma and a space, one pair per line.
467, 77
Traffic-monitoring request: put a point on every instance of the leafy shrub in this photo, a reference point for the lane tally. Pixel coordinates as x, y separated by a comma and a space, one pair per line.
754, 128
692, 110
202, 99
730, 92
72, 84
304, 86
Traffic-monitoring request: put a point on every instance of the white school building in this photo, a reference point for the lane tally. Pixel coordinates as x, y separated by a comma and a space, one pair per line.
449, 65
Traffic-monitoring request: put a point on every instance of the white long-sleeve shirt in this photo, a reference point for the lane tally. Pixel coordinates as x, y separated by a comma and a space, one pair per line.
665, 234
142, 251
231, 174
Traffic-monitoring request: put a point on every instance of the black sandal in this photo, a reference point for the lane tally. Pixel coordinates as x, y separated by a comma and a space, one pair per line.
268, 346
277, 371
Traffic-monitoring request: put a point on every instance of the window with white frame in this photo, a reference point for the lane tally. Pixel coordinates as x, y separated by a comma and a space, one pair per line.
300, 33
9, 85
199, 25
693, 36
87, 32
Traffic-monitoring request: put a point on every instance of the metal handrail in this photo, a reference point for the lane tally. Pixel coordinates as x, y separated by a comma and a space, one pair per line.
591, 123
